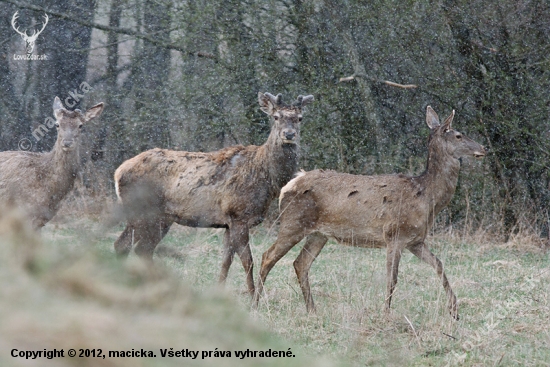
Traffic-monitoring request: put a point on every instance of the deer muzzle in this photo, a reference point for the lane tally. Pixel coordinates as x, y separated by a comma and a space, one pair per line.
480, 153
289, 136
67, 144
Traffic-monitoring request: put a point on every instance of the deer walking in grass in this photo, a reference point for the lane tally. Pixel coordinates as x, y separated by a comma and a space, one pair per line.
230, 188
392, 211
37, 182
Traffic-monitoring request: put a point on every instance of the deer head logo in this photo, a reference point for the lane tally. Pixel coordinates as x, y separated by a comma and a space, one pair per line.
29, 40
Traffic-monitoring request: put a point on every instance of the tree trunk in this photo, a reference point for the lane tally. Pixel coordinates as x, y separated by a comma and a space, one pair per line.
366, 95
152, 99
108, 146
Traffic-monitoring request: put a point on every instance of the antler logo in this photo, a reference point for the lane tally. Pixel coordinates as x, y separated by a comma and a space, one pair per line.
29, 40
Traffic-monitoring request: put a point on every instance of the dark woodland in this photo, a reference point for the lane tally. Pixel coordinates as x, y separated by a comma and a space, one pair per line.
185, 75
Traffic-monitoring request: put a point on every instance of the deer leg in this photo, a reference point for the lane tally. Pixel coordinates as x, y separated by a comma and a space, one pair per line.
239, 236
164, 228
287, 238
123, 244
38, 223
423, 253
393, 256
148, 234
227, 258
248, 264
314, 244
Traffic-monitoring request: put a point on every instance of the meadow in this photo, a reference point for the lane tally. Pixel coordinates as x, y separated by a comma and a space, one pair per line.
502, 288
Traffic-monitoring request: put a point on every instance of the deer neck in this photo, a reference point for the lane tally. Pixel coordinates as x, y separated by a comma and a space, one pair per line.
281, 161
440, 179
63, 166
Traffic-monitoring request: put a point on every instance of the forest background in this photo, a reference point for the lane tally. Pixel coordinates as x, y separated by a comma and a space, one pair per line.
185, 75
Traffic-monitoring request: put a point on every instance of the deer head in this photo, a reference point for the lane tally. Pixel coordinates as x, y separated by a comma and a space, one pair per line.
29, 40
446, 140
287, 117
69, 123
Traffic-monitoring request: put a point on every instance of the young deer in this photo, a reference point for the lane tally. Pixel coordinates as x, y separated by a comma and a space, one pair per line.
37, 182
230, 188
392, 211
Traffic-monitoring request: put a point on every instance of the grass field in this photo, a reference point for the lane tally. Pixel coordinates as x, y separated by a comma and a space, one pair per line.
503, 293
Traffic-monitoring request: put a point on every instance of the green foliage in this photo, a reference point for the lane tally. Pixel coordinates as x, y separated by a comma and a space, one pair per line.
487, 61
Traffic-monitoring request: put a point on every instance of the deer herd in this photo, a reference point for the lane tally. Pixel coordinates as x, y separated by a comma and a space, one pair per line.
232, 188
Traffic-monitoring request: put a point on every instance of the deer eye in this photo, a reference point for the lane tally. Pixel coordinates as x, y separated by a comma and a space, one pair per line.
300, 118
276, 117
459, 137
80, 126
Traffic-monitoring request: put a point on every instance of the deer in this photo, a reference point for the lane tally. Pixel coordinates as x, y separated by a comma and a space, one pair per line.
38, 182
391, 211
231, 188
29, 40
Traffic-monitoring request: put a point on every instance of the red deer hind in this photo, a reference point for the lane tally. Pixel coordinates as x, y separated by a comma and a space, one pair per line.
230, 188
392, 211
37, 182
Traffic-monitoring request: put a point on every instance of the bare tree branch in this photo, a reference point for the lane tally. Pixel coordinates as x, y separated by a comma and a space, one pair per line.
347, 79
403, 86
387, 82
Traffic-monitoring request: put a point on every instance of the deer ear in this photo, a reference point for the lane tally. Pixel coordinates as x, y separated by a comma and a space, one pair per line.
57, 107
266, 103
449, 120
93, 112
431, 118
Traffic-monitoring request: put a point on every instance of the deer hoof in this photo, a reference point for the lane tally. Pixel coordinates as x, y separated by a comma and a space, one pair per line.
454, 312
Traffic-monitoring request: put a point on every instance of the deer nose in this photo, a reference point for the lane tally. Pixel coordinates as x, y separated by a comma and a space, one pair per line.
67, 143
289, 135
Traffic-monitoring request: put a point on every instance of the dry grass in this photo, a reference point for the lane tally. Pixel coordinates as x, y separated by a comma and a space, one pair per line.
69, 292
503, 291
502, 287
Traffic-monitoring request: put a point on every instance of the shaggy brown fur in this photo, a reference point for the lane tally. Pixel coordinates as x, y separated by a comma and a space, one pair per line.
231, 188
37, 182
392, 211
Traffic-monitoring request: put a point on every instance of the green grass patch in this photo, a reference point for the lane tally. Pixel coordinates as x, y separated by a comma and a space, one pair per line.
503, 297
